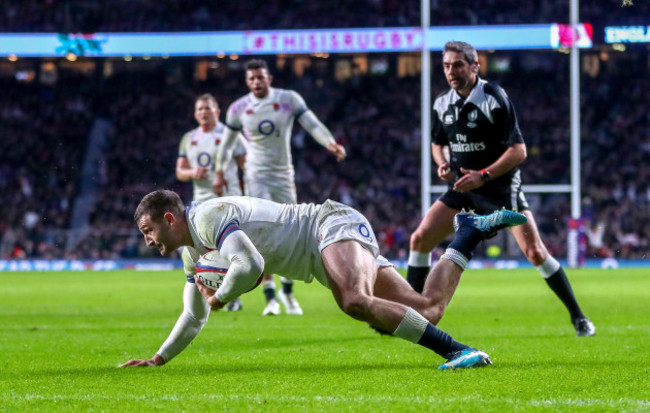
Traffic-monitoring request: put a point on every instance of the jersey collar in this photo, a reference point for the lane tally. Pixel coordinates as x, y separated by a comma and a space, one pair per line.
255, 99
476, 96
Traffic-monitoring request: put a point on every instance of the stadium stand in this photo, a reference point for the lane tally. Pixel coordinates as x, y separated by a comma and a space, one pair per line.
375, 116
43, 133
193, 15
47, 129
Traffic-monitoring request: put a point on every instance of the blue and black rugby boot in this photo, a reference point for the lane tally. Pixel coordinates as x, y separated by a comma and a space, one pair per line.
466, 359
489, 225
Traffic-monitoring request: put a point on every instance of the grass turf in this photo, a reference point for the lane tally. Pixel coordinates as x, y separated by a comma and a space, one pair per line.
63, 334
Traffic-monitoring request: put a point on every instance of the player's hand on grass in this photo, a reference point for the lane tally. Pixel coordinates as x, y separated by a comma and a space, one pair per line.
470, 180
156, 360
208, 294
219, 183
199, 173
337, 150
445, 173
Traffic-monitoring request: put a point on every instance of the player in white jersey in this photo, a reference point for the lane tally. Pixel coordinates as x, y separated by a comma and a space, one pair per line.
265, 116
196, 154
330, 242
198, 148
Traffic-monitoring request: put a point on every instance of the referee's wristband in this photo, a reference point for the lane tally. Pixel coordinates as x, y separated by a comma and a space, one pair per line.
485, 175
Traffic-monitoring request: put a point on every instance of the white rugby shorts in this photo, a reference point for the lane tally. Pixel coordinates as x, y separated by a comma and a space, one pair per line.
282, 190
339, 222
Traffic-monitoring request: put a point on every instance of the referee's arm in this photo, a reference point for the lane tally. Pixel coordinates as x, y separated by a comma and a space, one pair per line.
512, 157
444, 171
472, 179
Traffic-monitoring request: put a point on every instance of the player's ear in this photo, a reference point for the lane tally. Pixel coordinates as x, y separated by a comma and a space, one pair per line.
270, 79
169, 218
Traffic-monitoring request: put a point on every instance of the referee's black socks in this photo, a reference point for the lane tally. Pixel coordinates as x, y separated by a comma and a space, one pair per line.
418, 269
416, 276
560, 285
557, 280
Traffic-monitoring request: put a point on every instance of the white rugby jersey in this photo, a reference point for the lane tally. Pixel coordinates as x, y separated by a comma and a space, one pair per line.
284, 234
200, 149
266, 124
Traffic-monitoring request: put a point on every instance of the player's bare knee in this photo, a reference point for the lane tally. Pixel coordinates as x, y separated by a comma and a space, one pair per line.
356, 306
417, 240
536, 254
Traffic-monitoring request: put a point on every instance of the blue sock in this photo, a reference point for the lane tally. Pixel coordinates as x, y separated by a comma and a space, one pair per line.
465, 240
440, 342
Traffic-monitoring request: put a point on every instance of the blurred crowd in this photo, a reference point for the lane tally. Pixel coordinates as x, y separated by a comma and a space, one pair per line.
375, 116
44, 131
73, 16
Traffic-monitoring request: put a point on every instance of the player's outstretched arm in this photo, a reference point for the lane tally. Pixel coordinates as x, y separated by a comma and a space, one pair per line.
318, 131
337, 150
156, 360
189, 325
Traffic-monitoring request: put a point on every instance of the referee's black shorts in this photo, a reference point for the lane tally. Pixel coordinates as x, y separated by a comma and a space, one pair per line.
486, 203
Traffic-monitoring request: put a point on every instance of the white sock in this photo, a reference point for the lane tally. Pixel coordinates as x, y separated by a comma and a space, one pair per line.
269, 285
412, 326
419, 259
548, 267
455, 256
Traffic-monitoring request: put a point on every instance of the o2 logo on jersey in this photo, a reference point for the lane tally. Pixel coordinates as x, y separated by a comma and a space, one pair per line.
364, 231
266, 127
204, 159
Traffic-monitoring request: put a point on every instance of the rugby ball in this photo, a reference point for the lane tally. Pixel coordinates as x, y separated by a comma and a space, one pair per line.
211, 269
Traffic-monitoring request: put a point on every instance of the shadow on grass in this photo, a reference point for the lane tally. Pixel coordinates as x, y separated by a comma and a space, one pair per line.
569, 365
307, 368
234, 369
293, 342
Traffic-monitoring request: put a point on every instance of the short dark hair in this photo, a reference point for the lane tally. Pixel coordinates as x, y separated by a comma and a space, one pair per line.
461, 47
156, 203
257, 64
208, 97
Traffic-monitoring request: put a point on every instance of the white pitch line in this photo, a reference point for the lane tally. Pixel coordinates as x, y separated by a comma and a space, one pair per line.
556, 402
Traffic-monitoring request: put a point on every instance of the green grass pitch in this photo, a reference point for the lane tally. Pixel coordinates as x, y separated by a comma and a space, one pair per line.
63, 334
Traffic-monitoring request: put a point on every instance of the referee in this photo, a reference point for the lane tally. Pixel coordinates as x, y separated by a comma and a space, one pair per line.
476, 121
